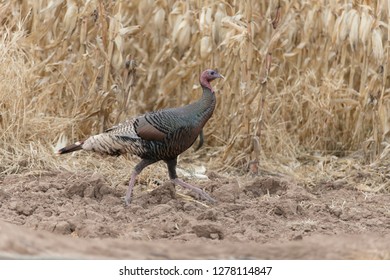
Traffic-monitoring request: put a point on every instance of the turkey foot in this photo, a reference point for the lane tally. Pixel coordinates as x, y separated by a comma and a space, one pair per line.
197, 190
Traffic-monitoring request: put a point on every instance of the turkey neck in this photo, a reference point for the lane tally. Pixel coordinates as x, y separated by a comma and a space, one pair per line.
204, 107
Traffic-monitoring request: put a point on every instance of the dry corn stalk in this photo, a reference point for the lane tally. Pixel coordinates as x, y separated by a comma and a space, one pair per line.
318, 95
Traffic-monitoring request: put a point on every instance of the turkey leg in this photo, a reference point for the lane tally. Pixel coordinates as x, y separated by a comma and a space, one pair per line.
173, 176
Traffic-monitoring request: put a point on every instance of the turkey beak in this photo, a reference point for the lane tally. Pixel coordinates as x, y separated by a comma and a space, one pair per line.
221, 76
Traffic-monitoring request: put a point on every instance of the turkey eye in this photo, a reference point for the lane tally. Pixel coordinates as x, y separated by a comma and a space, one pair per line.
212, 73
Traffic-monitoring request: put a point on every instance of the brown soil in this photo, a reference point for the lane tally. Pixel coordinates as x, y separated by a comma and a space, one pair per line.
69, 215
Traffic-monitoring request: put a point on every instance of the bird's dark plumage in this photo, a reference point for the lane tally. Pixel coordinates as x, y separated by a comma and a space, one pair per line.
159, 135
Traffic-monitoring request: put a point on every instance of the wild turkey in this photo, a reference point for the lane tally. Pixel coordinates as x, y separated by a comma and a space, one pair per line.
155, 136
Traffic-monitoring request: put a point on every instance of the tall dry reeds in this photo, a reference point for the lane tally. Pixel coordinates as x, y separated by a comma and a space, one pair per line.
302, 77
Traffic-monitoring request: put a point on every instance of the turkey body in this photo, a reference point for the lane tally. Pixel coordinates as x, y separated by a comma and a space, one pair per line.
158, 135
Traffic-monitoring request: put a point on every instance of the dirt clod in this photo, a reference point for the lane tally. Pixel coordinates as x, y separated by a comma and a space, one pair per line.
208, 230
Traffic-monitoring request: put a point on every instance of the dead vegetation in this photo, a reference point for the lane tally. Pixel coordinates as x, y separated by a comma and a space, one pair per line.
307, 82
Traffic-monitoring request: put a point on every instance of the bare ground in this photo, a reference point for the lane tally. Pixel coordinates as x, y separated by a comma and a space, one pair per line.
79, 215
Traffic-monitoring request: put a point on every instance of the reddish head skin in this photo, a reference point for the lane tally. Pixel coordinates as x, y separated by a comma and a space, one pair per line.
207, 76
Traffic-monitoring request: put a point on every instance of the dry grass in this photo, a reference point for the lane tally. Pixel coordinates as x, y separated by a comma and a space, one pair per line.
307, 81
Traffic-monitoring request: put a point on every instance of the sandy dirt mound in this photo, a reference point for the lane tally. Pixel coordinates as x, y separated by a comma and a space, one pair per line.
17, 242
267, 212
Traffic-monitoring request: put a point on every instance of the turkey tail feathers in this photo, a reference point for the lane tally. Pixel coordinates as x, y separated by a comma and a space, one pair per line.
71, 148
